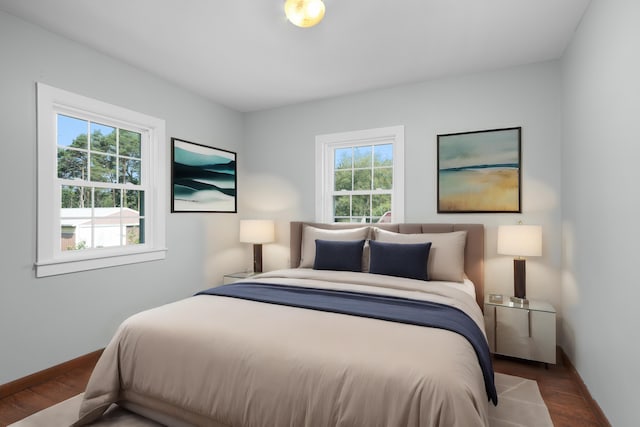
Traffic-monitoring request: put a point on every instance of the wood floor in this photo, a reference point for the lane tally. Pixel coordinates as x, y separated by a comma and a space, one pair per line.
33, 399
560, 389
568, 403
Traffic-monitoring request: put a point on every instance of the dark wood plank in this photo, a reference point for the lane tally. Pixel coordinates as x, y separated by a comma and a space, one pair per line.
568, 402
29, 401
77, 378
54, 390
10, 413
572, 407
48, 374
602, 419
568, 421
37, 397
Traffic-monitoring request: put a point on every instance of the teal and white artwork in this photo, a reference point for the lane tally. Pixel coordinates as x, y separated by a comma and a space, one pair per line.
203, 178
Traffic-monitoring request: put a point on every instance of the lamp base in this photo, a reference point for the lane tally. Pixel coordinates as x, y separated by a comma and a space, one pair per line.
519, 278
257, 258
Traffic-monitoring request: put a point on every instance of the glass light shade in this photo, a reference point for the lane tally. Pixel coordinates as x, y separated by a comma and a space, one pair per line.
304, 13
257, 231
520, 240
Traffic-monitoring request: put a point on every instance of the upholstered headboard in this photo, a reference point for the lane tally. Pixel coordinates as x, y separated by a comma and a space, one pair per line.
474, 249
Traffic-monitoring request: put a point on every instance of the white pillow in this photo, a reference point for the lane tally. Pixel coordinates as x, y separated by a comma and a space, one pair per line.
446, 257
310, 234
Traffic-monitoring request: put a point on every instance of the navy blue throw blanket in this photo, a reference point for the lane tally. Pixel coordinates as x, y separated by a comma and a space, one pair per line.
382, 307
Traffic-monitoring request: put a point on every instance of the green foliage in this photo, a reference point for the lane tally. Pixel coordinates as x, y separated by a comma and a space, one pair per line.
383, 155
106, 166
77, 247
359, 207
342, 205
362, 157
130, 143
362, 168
103, 154
110, 160
343, 158
72, 164
133, 235
343, 180
383, 178
380, 204
362, 179
103, 139
75, 197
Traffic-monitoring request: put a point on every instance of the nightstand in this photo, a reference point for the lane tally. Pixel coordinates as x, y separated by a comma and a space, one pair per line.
527, 331
234, 277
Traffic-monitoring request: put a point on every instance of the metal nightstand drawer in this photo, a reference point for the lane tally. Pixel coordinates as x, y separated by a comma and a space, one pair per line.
527, 332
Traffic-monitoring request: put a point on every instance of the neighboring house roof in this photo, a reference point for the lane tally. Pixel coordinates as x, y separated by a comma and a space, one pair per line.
100, 216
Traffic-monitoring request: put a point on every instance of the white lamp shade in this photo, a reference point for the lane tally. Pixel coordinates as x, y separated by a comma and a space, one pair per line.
257, 231
520, 240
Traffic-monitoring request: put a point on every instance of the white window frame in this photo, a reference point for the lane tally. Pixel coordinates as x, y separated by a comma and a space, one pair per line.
325, 146
50, 259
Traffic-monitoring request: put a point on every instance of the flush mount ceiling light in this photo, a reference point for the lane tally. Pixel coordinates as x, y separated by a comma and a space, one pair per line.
304, 13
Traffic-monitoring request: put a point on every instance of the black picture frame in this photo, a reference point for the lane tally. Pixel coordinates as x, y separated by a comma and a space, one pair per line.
203, 178
480, 171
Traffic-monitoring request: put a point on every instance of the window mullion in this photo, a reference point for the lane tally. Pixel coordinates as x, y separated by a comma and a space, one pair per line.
359, 192
89, 150
93, 217
118, 178
353, 179
350, 207
98, 184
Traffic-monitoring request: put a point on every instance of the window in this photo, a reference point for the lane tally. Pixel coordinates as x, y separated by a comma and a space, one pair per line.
360, 176
101, 181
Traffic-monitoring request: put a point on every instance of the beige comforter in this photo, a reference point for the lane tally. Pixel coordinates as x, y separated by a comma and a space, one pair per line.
220, 361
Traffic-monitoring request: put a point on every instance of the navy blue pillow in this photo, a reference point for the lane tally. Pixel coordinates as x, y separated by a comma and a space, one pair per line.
399, 259
338, 255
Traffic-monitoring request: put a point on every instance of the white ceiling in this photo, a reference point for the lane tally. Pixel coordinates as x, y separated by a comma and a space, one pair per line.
245, 55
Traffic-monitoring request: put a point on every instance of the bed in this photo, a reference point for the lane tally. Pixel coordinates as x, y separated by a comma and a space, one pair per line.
347, 338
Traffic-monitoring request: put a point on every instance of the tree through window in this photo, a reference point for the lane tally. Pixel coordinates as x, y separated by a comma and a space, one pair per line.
101, 184
361, 176
99, 168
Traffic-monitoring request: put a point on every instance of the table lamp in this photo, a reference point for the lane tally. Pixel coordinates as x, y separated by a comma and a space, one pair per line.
522, 241
257, 231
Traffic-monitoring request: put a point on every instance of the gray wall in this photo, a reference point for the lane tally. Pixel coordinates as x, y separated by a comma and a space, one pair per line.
580, 144
47, 321
601, 205
280, 155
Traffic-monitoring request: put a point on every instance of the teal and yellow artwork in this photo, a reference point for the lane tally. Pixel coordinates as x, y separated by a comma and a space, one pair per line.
479, 171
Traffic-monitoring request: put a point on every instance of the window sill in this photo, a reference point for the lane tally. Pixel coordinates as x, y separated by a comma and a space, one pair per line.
56, 267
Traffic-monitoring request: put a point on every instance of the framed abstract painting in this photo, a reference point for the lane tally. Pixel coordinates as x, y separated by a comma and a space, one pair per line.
480, 171
203, 178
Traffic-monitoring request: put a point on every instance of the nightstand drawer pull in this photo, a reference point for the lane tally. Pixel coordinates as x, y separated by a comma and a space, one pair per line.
495, 328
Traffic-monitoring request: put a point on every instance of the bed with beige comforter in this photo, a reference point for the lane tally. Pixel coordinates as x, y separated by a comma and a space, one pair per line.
218, 361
